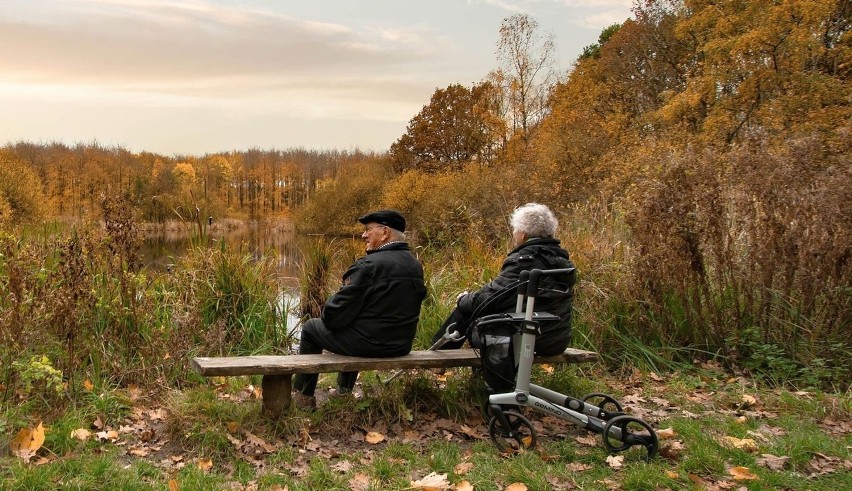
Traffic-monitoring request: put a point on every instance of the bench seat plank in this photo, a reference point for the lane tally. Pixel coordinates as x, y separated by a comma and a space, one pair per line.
277, 370
330, 362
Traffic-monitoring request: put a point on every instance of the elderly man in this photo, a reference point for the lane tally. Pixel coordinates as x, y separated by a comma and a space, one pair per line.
533, 230
376, 309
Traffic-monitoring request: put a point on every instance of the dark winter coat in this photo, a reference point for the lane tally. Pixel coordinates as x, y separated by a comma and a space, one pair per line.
378, 304
555, 294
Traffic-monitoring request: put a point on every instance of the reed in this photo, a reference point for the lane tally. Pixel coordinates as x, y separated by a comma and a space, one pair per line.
315, 275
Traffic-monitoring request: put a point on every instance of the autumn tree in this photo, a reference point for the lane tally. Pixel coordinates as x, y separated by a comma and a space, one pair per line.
762, 64
21, 194
458, 125
525, 58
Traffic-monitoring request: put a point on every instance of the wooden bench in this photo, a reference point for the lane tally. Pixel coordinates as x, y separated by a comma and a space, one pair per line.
278, 370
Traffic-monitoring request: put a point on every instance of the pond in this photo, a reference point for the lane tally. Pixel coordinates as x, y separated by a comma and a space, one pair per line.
162, 247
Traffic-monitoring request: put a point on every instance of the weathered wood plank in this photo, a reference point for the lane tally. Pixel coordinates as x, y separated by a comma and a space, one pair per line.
329, 362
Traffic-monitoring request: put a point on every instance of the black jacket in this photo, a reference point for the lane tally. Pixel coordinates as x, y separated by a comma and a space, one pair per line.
555, 294
379, 300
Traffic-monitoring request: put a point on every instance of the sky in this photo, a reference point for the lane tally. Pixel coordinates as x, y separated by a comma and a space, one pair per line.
191, 77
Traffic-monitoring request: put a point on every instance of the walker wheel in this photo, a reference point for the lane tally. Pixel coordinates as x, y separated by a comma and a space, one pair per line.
623, 432
605, 402
521, 435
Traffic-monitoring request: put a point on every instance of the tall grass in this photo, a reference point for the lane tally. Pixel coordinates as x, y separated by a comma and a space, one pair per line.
78, 304
315, 275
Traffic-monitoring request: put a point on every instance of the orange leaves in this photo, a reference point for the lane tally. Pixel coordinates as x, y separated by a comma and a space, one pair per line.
81, 434
744, 444
204, 464
27, 442
374, 437
462, 468
431, 482
666, 434
740, 473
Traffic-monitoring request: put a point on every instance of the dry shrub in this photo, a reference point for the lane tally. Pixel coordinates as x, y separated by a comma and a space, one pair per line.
756, 237
597, 238
337, 202
444, 207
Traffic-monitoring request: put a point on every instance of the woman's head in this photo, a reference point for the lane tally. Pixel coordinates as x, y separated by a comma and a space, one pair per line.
533, 220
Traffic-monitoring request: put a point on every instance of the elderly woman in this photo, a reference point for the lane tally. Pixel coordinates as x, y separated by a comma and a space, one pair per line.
533, 230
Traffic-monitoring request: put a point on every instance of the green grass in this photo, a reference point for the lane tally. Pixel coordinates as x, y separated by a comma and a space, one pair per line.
783, 424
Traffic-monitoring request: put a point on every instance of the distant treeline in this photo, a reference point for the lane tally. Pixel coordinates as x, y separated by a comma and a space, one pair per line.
68, 182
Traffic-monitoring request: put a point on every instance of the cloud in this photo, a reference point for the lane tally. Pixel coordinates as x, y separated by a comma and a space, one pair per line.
121, 42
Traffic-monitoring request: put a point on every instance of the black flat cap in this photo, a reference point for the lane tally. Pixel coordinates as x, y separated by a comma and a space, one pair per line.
391, 218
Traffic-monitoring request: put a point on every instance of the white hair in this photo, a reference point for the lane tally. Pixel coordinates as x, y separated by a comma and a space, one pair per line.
534, 220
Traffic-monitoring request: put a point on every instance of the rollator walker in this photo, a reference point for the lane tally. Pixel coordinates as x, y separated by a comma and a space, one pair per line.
508, 428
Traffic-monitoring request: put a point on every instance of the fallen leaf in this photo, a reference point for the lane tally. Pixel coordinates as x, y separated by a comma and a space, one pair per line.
259, 442
464, 486
745, 444
374, 437
432, 482
110, 435
588, 440
173, 485
579, 467
462, 468
822, 464
43, 460
742, 474
88, 385
359, 482
134, 392
666, 434
633, 399
671, 450
139, 452
233, 426
698, 481
467, 430
516, 486
615, 461
772, 462
146, 435
27, 442
748, 400
204, 464
81, 434
547, 368
672, 475
343, 466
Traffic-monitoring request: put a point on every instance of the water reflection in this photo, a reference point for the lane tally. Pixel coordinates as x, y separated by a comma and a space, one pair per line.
162, 248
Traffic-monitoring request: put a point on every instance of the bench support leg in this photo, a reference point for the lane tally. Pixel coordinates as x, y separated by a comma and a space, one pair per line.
276, 394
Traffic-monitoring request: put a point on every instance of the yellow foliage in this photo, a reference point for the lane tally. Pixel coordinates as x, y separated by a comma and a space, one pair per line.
184, 171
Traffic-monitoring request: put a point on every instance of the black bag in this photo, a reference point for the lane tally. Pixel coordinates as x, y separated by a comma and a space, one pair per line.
498, 363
